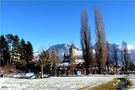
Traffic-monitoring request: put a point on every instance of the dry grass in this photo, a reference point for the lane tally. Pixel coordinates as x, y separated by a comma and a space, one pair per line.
112, 85
7, 68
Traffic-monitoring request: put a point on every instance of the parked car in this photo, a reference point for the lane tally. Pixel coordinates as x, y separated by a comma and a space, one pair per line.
1, 75
17, 76
30, 75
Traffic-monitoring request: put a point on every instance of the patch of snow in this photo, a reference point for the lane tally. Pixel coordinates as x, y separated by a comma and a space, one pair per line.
54, 83
78, 53
77, 61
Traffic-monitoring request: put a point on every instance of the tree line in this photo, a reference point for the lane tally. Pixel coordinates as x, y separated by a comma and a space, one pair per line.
102, 55
19, 54
14, 51
48, 62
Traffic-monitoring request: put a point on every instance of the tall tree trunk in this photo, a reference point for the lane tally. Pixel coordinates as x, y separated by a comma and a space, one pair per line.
86, 42
101, 46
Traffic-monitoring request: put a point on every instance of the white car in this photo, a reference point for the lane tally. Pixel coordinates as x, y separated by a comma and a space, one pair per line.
17, 76
30, 75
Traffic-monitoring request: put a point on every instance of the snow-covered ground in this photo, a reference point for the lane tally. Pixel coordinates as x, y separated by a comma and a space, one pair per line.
132, 78
54, 83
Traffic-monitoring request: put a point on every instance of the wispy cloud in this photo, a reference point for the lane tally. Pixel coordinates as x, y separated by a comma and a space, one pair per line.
131, 46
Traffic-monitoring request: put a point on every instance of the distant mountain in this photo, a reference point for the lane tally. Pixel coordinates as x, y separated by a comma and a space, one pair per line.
132, 55
60, 49
131, 52
36, 56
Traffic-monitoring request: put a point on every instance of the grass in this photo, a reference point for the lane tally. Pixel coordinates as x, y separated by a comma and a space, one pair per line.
111, 85
130, 84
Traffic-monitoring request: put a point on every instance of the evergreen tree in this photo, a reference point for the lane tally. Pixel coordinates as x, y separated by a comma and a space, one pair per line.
9, 39
22, 50
4, 51
15, 49
28, 56
29, 52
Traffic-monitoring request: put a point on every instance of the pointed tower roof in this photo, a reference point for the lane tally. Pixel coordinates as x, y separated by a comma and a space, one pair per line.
73, 46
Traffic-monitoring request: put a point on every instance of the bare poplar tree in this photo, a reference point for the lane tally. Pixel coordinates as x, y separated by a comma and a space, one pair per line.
126, 57
54, 60
108, 58
42, 61
86, 41
115, 55
101, 46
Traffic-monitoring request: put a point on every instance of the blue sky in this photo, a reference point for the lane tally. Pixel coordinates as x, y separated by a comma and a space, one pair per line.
45, 23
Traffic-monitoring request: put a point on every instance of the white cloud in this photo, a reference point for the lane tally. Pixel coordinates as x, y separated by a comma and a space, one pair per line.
131, 46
